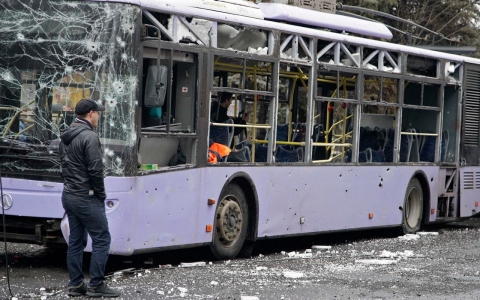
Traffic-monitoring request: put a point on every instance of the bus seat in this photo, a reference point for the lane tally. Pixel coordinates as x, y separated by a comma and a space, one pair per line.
405, 146
284, 155
261, 153
319, 152
299, 132
365, 156
410, 147
388, 145
369, 138
427, 152
378, 156
241, 152
282, 132
222, 134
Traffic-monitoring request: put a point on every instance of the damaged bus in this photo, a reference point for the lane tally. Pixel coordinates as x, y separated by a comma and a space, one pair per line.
345, 130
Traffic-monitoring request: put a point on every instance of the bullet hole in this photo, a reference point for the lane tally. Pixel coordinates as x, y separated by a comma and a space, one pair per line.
346, 191
380, 185
340, 175
388, 170
400, 208
431, 179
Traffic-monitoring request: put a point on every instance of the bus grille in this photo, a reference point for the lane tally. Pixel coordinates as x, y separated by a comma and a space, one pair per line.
472, 108
471, 180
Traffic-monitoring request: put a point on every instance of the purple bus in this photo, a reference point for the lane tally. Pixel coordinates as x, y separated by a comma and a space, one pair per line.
343, 131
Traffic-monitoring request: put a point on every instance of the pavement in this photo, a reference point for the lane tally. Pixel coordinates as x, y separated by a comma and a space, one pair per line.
442, 262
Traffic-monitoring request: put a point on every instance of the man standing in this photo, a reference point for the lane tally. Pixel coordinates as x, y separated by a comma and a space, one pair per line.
83, 200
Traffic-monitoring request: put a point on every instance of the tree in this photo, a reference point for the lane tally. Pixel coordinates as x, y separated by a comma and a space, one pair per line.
454, 21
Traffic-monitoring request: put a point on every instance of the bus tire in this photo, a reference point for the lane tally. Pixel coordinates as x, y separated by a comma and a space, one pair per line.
231, 223
413, 207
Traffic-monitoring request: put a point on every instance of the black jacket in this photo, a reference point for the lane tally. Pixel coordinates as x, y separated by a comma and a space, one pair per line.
81, 157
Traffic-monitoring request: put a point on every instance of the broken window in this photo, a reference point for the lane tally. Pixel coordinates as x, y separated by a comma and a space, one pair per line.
51, 56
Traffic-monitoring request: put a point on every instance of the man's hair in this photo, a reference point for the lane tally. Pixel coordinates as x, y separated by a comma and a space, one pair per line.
225, 96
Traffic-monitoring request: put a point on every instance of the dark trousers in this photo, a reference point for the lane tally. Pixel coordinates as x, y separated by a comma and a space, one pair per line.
86, 215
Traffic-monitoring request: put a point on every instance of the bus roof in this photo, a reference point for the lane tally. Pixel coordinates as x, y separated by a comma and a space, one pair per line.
180, 8
282, 12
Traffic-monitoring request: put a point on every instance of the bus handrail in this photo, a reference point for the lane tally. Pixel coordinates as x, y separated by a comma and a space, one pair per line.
242, 125
419, 134
15, 116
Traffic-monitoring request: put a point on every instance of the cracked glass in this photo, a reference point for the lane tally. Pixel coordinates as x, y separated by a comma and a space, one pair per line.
53, 54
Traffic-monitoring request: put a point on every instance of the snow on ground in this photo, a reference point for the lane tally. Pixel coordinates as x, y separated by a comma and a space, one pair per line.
358, 261
433, 265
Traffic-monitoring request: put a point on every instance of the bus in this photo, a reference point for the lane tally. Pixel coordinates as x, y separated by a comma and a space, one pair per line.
345, 130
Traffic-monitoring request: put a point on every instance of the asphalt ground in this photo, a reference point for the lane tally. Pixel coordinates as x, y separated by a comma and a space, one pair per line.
444, 263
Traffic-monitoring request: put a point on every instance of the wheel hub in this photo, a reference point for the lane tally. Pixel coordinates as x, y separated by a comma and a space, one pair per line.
413, 207
229, 221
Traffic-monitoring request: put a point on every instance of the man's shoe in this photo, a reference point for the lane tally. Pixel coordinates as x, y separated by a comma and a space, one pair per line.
102, 291
78, 290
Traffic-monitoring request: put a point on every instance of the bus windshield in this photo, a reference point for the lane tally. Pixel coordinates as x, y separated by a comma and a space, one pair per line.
53, 54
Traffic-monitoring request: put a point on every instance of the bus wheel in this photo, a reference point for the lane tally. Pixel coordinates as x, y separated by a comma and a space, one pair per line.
413, 207
231, 223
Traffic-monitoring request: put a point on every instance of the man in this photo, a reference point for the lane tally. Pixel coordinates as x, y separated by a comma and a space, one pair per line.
83, 200
219, 112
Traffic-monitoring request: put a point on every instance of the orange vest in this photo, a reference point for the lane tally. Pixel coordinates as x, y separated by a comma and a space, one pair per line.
222, 150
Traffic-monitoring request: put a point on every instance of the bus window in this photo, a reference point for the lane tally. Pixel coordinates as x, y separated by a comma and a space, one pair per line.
423, 66
168, 127
333, 129
421, 94
423, 143
249, 84
334, 116
450, 123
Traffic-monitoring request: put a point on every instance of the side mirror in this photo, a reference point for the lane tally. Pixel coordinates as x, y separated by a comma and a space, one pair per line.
156, 86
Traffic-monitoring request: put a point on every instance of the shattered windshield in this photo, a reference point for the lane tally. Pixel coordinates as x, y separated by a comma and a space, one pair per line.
53, 54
